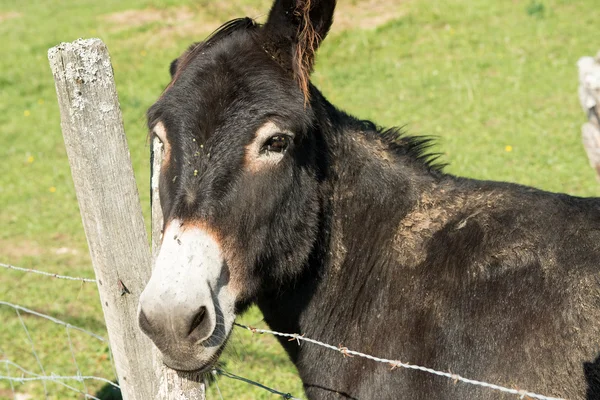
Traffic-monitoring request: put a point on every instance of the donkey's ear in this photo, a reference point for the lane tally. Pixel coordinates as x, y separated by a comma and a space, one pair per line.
176, 63
173, 67
294, 31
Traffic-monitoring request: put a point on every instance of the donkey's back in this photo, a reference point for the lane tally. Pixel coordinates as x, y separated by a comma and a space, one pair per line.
504, 287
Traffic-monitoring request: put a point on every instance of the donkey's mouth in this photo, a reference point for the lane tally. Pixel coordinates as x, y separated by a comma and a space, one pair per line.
201, 372
202, 365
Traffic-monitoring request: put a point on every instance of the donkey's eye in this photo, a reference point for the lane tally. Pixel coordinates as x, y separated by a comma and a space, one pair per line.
276, 144
269, 146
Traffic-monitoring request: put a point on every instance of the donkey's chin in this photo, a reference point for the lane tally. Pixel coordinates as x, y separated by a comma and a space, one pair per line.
194, 365
198, 360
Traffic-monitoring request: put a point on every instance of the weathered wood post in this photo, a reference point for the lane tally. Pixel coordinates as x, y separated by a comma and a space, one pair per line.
110, 209
108, 201
589, 96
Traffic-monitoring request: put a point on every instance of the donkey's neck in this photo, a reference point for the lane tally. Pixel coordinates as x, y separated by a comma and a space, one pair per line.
367, 191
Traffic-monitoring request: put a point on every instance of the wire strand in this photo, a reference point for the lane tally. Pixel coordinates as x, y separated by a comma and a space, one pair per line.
55, 320
396, 363
226, 374
50, 274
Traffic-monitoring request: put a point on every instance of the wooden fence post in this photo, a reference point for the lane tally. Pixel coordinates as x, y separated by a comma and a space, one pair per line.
93, 132
110, 209
589, 96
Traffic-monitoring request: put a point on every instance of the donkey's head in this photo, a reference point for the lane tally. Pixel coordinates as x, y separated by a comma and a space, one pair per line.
239, 180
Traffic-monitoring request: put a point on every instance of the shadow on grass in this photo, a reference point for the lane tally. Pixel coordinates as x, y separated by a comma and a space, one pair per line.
109, 392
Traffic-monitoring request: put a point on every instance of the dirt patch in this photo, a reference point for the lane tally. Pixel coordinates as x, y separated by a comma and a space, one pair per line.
11, 250
365, 14
172, 23
9, 15
136, 18
12, 394
206, 16
9, 394
15, 252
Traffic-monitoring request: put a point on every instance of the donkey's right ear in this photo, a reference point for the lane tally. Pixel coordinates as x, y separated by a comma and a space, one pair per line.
294, 31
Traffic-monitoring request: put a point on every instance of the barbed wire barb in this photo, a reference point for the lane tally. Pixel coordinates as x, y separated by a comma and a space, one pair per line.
397, 363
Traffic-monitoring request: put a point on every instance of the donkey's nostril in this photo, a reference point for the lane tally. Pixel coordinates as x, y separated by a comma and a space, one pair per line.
197, 320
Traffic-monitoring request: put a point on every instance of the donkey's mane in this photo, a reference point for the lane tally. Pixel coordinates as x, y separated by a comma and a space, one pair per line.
410, 146
415, 147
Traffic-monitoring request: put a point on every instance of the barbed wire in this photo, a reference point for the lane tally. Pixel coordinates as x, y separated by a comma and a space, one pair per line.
35, 376
50, 274
397, 363
294, 336
37, 358
59, 379
12, 387
47, 378
221, 372
50, 318
44, 377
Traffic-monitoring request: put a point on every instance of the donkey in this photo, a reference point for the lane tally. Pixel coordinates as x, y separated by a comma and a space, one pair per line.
353, 234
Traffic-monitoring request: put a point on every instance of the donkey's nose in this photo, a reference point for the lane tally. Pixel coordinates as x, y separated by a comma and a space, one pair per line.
182, 322
199, 329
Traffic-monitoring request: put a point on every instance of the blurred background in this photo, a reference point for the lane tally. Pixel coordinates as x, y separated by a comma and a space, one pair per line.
495, 81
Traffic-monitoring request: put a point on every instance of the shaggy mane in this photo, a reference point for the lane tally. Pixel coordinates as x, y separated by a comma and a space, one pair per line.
415, 147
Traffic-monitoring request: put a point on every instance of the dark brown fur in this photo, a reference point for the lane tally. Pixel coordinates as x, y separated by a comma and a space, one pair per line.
357, 237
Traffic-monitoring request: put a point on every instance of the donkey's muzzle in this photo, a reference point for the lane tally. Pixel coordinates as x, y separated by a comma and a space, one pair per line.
176, 322
186, 308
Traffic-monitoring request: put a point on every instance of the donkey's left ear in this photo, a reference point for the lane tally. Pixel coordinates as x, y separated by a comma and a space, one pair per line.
294, 31
176, 63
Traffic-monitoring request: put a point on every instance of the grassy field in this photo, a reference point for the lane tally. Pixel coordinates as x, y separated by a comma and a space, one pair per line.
494, 80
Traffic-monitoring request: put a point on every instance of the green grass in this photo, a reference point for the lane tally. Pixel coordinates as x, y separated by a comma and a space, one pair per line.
485, 77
